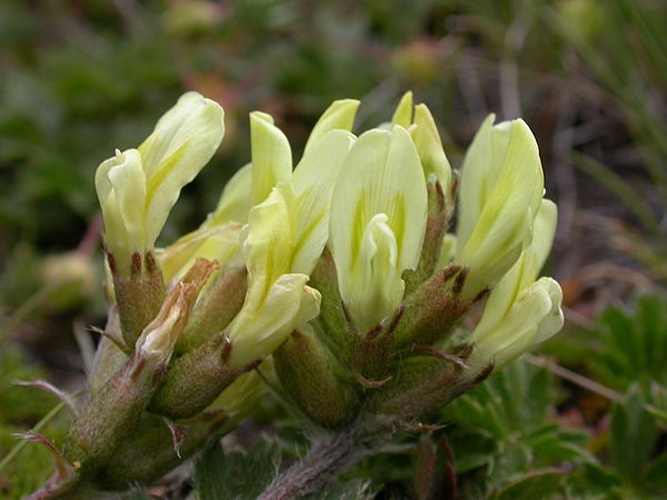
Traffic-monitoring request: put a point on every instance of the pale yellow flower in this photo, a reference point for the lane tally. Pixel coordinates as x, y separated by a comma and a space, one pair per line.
500, 191
277, 299
377, 223
520, 311
138, 187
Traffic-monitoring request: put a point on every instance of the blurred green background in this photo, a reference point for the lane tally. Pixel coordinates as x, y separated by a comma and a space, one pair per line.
81, 78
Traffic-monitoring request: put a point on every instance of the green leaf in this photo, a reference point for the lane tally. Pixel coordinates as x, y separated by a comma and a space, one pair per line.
237, 475
631, 346
632, 438
536, 485
560, 445
473, 450
553, 444
503, 434
513, 462
595, 482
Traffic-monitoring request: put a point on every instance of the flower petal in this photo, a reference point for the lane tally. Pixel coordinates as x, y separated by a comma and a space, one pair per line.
379, 287
313, 181
504, 196
339, 116
235, 201
429, 146
382, 174
271, 156
257, 332
479, 173
268, 246
526, 269
121, 188
403, 113
184, 140
217, 243
534, 317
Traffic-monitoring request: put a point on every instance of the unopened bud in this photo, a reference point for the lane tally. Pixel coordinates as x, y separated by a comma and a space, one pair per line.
425, 383
217, 306
433, 309
113, 414
139, 296
314, 378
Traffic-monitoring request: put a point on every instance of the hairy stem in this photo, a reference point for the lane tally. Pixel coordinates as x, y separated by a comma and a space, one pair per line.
328, 458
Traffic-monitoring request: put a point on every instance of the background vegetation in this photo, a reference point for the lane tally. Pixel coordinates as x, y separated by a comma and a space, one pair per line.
585, 418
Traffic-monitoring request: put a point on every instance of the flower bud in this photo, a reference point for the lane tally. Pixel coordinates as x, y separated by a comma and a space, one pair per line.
316, 380
113, 414
404, 111
156, 344
431, 152
433, 309
139, 296
419, 121
218, 304
424, 383
137, 189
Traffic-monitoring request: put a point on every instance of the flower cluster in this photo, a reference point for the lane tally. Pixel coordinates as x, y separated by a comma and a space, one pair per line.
342, 278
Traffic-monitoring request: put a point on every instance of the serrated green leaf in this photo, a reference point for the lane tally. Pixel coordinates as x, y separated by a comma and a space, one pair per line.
515, 400
593, 481
541, 397
541, 484
513, 461
503, 430
553, 444
631, 345
236, 475
472, 450
562, 450
632, 437
209, 473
